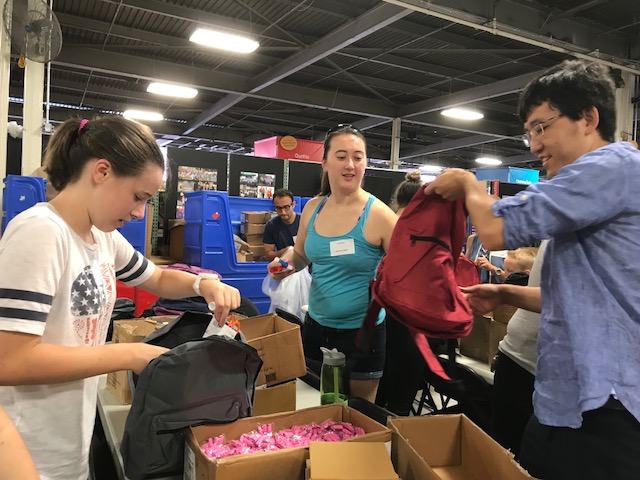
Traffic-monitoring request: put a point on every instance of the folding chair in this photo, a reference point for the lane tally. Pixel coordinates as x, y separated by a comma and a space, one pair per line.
471, 392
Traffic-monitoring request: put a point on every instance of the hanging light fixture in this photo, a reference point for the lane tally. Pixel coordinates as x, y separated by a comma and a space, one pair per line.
170, 90
488, 161
462, 114
143, 115
224, 41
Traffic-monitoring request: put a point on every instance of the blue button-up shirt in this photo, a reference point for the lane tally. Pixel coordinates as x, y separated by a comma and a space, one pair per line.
589, 342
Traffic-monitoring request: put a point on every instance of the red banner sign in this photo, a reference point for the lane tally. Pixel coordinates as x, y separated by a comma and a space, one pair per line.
289, 148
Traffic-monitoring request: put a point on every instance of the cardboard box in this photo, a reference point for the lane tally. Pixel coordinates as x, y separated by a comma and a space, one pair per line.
257, 250
130, 331
350, 461
276, 399
451, 447
497, 331
149, 230
176, 238
279, 344
503, 313
255, 217
476, 344
241, 245
252, 228
244, 256
281, 464
254, 239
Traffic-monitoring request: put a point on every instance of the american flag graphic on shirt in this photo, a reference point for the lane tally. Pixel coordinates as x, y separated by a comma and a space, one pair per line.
87, 302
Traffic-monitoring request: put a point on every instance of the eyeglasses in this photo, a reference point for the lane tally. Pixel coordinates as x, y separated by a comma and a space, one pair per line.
284, 208
538, 130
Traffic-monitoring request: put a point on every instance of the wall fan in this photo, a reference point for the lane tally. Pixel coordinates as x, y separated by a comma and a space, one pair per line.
34, 29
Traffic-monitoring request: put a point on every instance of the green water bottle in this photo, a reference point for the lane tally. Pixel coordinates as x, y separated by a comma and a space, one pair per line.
332, 383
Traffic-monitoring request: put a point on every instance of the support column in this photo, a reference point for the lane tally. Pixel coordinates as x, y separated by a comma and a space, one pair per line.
624, 107
33, 117
394, 162
5, 69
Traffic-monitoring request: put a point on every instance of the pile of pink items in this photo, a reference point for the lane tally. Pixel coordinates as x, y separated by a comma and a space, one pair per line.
263, 439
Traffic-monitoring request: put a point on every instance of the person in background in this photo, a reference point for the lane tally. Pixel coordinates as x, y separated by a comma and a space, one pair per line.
518, 264
280, 232
59, 262
490, 264
586, 422
404, 363
344, 231
515, 363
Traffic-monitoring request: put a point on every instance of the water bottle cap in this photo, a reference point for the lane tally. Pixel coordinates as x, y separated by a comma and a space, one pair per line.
332, 357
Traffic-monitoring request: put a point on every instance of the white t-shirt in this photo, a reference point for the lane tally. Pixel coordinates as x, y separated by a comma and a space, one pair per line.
55, 285
521, 341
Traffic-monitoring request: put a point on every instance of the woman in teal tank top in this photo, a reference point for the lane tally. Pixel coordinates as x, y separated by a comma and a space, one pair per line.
344, 232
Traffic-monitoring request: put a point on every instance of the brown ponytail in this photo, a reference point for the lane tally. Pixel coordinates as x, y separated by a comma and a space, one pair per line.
128, 145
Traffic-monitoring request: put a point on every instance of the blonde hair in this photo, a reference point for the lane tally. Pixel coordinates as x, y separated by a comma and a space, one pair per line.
524, 257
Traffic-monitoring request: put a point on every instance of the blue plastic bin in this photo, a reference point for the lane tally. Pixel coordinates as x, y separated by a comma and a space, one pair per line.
135, 232
21, 192
208, 242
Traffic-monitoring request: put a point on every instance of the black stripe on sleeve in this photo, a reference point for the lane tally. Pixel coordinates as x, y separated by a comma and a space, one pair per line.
22, 314
137, 273
25, 295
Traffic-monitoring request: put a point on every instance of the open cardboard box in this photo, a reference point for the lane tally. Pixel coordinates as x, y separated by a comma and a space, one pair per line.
449, 447
288, 464
279, 345
130, 331
350, 461
276, 399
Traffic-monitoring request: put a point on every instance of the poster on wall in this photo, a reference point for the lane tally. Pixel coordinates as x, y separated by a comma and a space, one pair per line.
194, 179
257, 185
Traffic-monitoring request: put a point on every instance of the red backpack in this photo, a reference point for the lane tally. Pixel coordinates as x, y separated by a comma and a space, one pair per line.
416, 281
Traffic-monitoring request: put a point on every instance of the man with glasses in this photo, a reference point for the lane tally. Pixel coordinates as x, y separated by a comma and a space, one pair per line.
280, 232
587, 388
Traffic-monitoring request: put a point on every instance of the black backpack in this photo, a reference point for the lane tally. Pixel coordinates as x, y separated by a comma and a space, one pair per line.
199, 381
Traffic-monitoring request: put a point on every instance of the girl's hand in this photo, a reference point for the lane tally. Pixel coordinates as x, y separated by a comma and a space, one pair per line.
223, 297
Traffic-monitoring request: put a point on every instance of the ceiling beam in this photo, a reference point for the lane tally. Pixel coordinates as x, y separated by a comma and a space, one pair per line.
367, 23
447, 146
157, 70
471, 95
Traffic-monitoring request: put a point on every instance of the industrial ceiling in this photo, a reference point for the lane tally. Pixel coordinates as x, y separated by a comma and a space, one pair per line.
324, 62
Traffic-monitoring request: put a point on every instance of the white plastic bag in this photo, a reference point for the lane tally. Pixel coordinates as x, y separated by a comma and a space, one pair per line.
289, 294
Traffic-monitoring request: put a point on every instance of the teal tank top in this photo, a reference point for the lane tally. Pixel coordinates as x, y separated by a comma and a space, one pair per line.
339, 294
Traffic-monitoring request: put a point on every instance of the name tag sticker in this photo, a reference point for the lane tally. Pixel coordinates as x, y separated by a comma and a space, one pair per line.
342, 247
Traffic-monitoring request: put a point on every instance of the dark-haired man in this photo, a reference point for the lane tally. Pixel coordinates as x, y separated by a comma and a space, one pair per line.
280, 232
587, 388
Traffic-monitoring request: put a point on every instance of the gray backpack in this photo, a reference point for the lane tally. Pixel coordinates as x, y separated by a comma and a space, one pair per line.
205, 380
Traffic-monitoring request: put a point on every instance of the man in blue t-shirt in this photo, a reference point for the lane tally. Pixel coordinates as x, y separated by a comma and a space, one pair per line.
280, 232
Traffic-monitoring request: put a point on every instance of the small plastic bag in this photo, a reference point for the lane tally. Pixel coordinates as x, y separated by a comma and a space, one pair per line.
289, 294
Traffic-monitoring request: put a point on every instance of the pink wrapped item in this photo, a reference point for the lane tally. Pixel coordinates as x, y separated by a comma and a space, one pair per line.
263, 439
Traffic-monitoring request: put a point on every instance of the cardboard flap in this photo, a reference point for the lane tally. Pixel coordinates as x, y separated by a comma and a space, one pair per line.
350, 461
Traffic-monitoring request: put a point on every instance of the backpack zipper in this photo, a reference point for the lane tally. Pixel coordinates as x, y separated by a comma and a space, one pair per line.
418, 238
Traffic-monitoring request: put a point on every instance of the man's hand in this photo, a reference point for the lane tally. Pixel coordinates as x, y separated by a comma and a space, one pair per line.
483, 298
450, 184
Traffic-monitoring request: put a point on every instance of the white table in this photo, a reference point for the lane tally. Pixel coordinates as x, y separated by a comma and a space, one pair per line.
114, 415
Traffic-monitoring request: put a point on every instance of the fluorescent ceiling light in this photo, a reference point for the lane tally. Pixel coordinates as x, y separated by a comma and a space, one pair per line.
488, 161
171, 90
225, 41
431, 168
462, 114
143, 115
